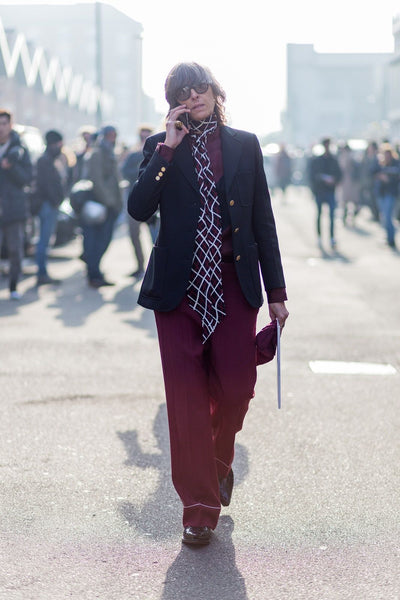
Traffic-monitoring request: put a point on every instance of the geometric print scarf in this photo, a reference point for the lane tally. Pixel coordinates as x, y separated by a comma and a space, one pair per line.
205, 292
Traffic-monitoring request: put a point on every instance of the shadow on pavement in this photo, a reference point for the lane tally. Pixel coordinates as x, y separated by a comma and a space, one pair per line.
358, 230
126, 301
334, 255
75, 301
207, 572
9, 307
158, 516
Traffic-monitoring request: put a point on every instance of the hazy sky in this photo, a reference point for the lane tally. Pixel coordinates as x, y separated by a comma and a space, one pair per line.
245, 44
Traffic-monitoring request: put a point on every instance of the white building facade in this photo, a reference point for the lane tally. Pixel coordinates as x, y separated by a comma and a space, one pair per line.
394, 86
342, 96
98, 42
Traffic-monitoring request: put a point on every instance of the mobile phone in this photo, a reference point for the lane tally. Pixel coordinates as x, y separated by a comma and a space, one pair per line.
184, 117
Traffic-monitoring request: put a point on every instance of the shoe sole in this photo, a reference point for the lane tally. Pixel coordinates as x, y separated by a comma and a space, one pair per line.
195, 542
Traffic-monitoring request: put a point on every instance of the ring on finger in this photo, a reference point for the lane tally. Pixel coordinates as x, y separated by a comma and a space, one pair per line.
178, 125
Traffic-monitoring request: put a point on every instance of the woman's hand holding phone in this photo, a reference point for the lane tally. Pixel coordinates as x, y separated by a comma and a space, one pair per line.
174, 134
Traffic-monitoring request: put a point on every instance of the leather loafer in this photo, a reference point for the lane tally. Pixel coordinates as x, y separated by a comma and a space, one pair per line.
225, 489
196, 536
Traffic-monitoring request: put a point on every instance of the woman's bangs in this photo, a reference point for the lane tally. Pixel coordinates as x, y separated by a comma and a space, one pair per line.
189, 75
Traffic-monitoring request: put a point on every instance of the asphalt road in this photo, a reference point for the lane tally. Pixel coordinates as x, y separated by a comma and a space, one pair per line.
87, 507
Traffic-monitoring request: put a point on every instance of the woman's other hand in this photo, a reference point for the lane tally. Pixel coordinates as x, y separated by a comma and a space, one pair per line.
278, 310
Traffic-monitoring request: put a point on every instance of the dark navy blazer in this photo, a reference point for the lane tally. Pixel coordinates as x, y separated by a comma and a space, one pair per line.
173, 188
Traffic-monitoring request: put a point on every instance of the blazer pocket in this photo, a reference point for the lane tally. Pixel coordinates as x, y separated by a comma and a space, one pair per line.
156, 272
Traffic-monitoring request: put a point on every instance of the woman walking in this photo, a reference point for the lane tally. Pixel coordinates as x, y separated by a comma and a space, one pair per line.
203, 283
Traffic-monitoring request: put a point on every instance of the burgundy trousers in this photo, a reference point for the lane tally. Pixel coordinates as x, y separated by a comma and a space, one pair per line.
208, 388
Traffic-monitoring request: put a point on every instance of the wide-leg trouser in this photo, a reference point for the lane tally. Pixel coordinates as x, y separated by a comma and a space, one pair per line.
208, 389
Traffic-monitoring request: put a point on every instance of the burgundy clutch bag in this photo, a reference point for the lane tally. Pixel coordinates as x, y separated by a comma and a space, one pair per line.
266, 341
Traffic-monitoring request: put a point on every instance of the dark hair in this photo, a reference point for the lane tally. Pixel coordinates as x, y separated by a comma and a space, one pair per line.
190, 73
5, 113
107, 129
53, 137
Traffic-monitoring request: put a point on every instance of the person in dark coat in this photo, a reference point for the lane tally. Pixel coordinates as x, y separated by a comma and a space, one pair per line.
325, 174
88, 136
369, 186
283, 169
15, 177
387, 176
102, 170
50, 192
203, 282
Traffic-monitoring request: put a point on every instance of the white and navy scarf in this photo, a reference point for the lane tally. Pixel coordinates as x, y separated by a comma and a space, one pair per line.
205, 292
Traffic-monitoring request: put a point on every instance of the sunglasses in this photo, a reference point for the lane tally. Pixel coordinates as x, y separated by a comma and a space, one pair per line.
184, 93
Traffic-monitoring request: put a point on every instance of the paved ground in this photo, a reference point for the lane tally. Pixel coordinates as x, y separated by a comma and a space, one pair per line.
87, 507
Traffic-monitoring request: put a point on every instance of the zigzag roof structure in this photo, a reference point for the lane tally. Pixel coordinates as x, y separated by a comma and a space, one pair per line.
50, 75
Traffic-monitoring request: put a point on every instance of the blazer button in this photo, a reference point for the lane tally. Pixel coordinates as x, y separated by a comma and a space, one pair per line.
236, 230
158, 178
163, 169
160, 174
232, 202
238, 257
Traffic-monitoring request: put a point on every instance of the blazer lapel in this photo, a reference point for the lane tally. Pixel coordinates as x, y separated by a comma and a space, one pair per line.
231, 153
184, 160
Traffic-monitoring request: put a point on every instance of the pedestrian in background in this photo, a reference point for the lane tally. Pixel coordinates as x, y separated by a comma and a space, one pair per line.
325, 175
15, 176
130, 171
102, 170
203, 282
369, 185
87, 135
51, 181
387, 175
283, 170
349, 186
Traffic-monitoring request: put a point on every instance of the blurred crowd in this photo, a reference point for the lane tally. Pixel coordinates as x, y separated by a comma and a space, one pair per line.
348, 176
51, 196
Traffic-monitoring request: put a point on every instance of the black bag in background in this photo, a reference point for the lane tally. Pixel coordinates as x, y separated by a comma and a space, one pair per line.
35, 202
80, 193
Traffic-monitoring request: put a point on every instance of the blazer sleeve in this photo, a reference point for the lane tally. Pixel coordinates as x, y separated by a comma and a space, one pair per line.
144, 198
